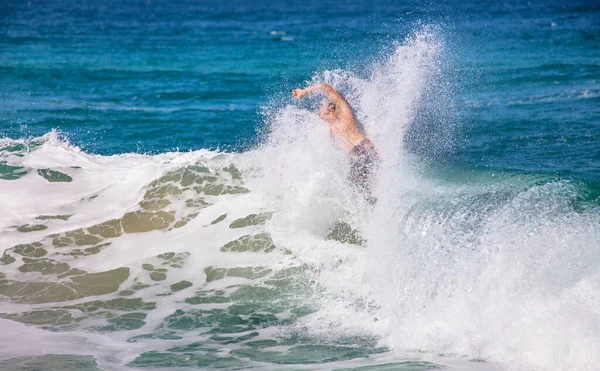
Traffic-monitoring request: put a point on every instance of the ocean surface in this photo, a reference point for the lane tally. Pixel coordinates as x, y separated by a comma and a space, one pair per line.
165, 203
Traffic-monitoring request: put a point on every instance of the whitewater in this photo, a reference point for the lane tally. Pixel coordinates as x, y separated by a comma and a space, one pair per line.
269, 258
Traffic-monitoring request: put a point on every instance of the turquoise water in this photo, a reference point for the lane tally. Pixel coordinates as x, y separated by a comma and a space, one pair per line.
166, 204
149, 78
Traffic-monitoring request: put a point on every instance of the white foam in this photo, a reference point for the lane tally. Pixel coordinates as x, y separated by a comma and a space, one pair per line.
502, 272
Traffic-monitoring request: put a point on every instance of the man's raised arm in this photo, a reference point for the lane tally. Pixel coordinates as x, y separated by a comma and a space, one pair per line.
331, 93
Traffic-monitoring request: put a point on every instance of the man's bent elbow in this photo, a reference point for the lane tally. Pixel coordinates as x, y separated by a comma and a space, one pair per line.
326, 87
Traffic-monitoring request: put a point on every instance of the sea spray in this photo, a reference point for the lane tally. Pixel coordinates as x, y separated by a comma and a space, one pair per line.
208, 259
487, 265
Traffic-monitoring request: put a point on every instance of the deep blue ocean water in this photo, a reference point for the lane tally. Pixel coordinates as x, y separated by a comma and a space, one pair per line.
165, 203
155, 76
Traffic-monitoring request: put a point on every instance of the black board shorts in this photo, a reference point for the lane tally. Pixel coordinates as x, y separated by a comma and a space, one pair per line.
364, 160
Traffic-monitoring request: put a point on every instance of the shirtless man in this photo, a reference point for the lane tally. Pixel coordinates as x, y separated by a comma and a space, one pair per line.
344, 128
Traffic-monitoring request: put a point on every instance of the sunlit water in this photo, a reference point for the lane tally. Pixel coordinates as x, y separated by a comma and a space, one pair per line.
478, 254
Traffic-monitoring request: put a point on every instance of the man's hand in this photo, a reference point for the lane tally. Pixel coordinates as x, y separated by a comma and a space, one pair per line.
299, 93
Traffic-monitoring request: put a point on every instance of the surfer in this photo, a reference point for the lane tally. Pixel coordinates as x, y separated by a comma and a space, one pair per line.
344, 128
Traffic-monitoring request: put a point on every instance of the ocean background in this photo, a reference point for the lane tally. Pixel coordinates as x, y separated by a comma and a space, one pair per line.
166, 204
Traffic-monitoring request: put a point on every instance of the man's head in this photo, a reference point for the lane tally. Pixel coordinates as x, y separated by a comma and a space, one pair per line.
328, 111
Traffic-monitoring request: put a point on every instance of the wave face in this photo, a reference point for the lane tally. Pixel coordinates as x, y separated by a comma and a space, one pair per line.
269, 257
